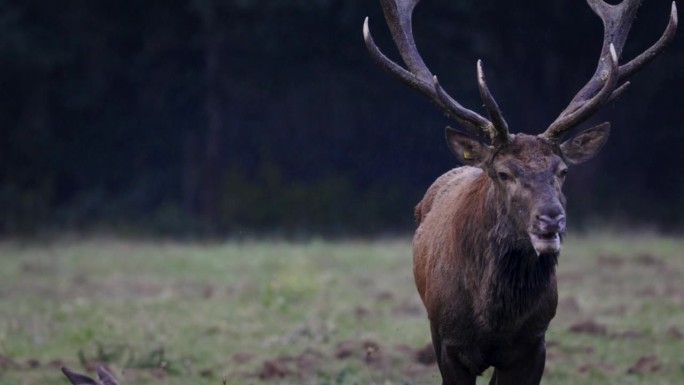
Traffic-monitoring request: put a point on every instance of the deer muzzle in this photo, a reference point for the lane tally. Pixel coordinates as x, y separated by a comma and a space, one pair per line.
546, 231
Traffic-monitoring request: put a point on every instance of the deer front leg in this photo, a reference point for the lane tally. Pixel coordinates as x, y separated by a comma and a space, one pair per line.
452, 370
527, 371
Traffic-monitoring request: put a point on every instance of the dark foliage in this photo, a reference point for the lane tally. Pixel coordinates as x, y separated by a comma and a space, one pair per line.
195, 116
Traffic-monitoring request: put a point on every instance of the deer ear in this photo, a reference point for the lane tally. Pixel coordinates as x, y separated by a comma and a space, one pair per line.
586, 144
467, 149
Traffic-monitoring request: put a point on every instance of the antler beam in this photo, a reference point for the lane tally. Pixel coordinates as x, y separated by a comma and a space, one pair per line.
604, 85
398, 15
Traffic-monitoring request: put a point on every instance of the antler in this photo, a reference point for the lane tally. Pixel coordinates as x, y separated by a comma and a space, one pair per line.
605, 85
398, 16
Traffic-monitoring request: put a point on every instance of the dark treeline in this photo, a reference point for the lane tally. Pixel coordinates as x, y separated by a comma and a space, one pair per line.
208, 116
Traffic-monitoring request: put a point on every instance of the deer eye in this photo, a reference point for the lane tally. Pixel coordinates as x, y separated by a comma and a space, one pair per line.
562, 173
503, 176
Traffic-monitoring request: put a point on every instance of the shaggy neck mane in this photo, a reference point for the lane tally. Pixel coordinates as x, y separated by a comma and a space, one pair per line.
502, 267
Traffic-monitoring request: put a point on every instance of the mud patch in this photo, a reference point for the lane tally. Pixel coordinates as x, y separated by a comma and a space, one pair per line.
8, 363
309, 360
628, 334
589, 327
610, 261
37, 268
367, 350
346, 349
646, 364
276, 368
361, 312
384, 296
650, 260
243, 357
647, 292
372, 351
600, 367
674, 332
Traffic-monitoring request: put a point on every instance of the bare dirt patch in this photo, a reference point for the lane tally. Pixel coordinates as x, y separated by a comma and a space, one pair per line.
610, 261
674, 332
645, 365
589, 327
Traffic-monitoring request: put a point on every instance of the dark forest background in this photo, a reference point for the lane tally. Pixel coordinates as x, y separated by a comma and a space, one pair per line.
258, 116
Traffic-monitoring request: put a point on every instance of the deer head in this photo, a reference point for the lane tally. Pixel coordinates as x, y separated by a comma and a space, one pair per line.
526, 171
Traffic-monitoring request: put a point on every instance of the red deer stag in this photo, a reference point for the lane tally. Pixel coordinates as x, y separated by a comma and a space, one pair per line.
489, 233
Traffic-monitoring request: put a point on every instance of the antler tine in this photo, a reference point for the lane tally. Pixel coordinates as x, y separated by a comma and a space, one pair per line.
645, 57
617, 21
571, 119
466, 117
483, 128
605, 83
499, 133
398, 14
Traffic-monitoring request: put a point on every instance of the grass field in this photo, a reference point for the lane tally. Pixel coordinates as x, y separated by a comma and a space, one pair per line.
312, 313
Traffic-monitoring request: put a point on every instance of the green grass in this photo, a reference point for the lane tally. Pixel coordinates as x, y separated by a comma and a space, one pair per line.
311, 313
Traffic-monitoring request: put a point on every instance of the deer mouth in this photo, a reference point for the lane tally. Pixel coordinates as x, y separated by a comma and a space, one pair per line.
546, 243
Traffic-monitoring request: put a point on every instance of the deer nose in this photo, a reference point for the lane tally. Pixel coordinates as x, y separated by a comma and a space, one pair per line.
551, 223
